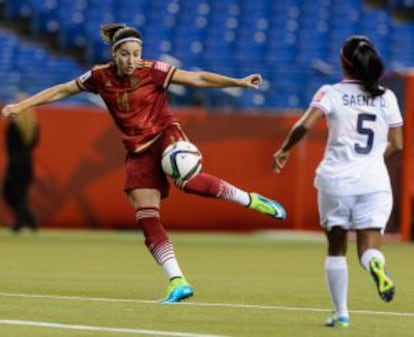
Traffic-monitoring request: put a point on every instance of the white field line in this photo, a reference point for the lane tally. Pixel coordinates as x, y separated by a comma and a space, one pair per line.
204, 304
102, 329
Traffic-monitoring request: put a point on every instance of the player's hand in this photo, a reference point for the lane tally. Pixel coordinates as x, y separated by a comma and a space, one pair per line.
10, 111
252, 81
279, 160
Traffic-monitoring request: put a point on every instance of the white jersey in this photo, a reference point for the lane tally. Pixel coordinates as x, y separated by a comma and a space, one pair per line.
358, 126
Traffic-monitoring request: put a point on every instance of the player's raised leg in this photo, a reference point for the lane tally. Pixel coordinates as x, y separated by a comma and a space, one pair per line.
210, 186
182, 161
374, 262
375, 210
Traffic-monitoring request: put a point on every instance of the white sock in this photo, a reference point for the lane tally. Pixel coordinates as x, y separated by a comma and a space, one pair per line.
368, 255
172, 269
233, 193
336, 271
165, 257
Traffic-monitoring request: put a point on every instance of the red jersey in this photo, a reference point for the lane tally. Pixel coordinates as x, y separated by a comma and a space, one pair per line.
137, 103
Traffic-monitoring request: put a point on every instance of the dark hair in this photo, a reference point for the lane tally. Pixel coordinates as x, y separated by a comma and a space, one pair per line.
362, 62
113, 32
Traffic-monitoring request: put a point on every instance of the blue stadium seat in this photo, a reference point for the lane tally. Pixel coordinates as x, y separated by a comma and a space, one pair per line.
294, 43
402, 44
14, 9
44, 17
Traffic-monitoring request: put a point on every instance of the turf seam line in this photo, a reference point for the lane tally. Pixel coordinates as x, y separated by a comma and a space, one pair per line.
103, 329
204, 304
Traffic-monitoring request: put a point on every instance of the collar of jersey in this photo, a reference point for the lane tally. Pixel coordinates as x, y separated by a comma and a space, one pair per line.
350, 80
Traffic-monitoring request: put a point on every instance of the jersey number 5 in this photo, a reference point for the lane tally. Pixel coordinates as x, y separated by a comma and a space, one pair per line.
366, 131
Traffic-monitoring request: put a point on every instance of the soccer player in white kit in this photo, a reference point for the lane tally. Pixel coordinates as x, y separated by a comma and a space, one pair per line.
354, 190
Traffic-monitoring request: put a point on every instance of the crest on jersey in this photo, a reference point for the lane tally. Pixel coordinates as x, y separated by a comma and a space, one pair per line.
162, 66
134, 81
319, 95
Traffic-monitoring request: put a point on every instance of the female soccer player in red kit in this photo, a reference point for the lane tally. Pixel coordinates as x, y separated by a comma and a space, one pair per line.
135, 93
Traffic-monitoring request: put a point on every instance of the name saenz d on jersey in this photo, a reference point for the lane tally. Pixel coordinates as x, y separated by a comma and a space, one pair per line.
363, 100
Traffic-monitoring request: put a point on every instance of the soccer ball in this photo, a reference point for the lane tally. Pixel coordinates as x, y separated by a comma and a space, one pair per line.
181, 160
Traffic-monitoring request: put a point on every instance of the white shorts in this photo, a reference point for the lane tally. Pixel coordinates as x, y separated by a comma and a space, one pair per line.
355, 212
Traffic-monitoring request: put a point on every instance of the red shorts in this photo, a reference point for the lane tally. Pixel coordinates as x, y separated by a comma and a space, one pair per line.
143, 169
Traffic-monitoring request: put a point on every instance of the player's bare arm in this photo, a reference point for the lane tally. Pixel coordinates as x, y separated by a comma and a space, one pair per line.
298, 131
212, 80
395, 141
49, 95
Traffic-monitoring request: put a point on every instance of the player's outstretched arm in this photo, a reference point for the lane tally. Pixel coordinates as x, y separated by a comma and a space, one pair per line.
49, 95
213, 80
298, 131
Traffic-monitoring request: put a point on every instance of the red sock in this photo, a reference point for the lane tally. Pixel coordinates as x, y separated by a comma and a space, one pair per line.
156, 238
206, 185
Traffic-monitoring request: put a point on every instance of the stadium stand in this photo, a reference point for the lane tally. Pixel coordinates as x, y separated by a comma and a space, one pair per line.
293, 43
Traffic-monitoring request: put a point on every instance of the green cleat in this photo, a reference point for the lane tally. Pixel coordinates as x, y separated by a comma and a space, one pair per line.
178, 289
385, 284
266, 206
335, 321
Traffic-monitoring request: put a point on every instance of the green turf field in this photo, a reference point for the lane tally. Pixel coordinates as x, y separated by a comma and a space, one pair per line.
105, 284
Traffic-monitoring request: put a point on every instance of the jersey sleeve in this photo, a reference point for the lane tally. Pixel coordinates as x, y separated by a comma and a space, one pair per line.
321, 100
394, 118
87, 82
162, 73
